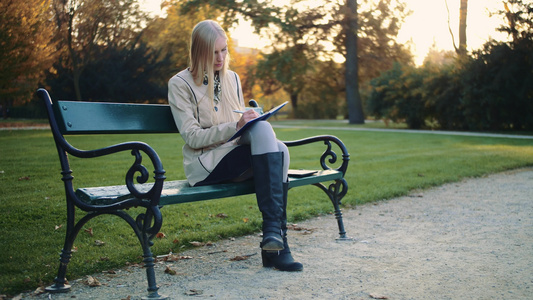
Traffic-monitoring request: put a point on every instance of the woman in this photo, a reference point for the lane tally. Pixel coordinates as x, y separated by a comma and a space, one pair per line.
203, 98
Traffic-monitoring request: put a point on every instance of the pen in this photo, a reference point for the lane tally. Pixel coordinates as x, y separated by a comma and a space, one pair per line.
238, 111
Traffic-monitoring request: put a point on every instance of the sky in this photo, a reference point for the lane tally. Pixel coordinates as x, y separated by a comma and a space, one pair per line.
425, 27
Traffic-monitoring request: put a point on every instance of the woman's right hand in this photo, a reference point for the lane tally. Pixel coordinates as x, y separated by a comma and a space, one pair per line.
248, 115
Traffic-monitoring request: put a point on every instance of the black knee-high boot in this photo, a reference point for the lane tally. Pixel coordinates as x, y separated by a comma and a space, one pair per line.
268, 177
282, 260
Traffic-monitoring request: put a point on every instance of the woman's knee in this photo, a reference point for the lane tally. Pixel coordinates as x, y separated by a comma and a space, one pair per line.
282, 147
262, 127
286, 156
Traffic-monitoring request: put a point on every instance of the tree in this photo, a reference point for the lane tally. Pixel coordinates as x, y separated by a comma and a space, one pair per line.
463, 10
289, 67
132, 74
294, 50
519, 17
355, 108
379, 24
83, 27
172, 34
462, 27
25, 49
322, 99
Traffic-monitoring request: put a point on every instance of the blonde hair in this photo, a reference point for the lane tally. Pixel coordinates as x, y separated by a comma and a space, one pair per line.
202, 60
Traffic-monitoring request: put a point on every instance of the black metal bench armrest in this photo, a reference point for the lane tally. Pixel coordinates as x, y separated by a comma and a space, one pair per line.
136, 148
326, 163
149, 198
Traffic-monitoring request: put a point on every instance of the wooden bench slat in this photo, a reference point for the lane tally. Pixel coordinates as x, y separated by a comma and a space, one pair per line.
179, 191
319, 176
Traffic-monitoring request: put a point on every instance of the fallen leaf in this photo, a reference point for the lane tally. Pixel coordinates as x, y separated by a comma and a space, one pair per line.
39, 290
222, 215
89, 231
58, 226
174, 257
416, 195
99, 243
245, 220
378, 297
92, 282
170, 271
304, 230
194, 292
104, 258
24, 178
127, 298
171, 257
294, 227
197, 244
239, 257
165, 255
175, 241
160, 235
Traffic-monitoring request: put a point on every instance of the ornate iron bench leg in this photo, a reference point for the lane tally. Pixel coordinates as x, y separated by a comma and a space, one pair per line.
60, 285
142, 228
336, 192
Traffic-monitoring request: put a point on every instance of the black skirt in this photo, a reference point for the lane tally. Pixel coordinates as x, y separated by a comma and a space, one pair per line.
233, 167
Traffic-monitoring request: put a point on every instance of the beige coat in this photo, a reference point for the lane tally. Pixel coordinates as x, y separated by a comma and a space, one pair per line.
205, 142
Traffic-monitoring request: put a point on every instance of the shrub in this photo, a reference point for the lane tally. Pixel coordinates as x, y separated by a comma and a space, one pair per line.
398, 95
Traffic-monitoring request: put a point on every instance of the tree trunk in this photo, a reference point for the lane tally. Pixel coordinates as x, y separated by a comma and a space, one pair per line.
76, 68
76, 80
3, 106
462, 27
511, 19
294, 101
355, 108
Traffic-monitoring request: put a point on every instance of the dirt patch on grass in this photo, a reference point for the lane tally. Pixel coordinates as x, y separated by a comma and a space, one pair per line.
23, 125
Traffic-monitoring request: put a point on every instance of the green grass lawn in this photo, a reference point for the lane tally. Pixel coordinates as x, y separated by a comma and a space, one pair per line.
383, 165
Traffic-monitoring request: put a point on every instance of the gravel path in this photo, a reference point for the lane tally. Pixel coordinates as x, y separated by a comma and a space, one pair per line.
467, 240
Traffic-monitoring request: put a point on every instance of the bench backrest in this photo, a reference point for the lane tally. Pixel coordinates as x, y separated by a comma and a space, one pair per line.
80, 117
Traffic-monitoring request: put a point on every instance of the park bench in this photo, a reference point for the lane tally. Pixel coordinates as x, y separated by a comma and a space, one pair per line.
84, 118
